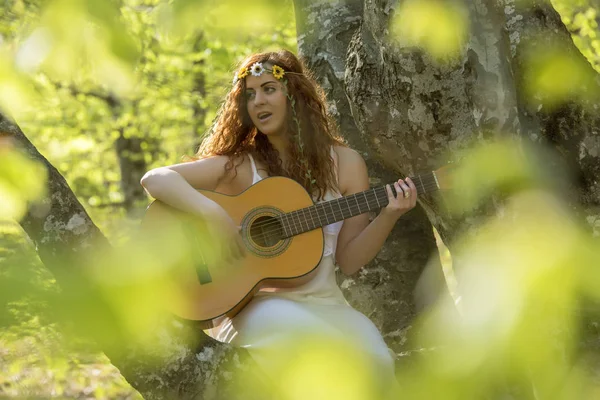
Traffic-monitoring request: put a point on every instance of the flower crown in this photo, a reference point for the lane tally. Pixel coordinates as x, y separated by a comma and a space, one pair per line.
257, 69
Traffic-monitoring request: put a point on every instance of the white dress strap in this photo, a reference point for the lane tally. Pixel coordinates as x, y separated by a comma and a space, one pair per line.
255, 176
335, 171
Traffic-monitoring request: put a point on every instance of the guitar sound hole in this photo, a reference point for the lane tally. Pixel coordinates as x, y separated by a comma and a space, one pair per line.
266, 231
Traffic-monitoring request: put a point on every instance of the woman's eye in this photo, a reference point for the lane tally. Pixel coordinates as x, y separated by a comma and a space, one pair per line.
269, 89
249, 95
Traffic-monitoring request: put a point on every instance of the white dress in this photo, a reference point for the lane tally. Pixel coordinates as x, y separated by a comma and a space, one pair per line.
315, 308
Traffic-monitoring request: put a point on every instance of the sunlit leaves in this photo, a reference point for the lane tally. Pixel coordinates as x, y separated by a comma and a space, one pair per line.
90, 34
318, 365
226, 18
502, 167
16, 91
522, 276
325, 368
580, 17
519, 285
59, 68
21, 181
440, 28
554, 75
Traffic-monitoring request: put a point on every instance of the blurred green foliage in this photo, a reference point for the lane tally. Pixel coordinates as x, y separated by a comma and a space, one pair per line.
440, 28
525, 276
21, 181
581, 18
37, 360
77, 75
552, 74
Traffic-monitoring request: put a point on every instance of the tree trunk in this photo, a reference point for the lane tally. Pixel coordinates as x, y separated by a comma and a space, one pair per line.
199, 90
184, 363
386, 290
128, 150
408, 111
131, 160
133, 167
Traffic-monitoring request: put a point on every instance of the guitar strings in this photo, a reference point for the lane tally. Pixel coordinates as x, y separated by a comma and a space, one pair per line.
429, 186
295, 216
370, 202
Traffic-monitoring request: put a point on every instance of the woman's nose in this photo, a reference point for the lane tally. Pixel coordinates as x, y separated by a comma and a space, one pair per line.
259, 98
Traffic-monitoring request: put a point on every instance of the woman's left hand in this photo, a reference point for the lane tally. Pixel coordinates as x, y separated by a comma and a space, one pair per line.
406, 198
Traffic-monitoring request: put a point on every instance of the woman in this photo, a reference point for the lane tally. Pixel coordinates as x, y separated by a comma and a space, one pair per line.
274, 122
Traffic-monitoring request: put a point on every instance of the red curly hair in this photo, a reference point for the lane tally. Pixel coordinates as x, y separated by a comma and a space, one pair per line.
233, 134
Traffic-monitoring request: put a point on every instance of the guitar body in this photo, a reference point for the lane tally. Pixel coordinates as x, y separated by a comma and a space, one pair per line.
282, 232
212, 288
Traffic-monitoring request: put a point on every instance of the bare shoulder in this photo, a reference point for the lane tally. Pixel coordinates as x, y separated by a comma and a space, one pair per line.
352, 170
347, 155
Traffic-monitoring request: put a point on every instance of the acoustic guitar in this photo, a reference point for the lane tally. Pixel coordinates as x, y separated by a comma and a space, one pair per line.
281, 228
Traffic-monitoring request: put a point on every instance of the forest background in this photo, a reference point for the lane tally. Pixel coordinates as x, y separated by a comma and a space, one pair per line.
128, 86
107, 90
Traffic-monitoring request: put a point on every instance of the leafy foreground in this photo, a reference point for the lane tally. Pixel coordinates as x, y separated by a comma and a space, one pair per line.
35, 358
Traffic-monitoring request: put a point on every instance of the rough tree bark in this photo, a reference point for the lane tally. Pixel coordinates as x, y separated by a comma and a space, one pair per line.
408, 111
402, 112
385, 289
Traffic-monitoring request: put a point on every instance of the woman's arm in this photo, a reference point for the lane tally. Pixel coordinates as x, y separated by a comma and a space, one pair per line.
360, 241
176, 185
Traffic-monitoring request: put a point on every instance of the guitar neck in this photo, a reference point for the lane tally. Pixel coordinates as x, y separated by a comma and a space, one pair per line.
328, 212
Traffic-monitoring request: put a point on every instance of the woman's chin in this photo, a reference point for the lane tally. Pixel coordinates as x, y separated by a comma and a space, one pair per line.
270, 132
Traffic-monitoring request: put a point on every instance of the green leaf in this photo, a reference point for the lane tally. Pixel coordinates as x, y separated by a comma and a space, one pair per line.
21, 181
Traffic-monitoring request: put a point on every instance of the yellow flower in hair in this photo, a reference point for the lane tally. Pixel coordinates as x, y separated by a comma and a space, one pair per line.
243, 72
278, 72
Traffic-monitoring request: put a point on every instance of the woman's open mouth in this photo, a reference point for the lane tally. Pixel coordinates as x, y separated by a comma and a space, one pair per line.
264, 117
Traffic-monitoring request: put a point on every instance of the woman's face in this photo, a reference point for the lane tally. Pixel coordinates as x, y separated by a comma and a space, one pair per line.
266, 103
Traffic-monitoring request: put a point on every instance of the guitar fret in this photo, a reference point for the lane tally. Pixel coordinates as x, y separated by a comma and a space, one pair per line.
357, 203
367, 200
318, 216
294, 214
305, 220
311, 218
332, 210
325, 213
378, 205
421, 180
340, 207
383, 195
290, 222
281, 220
348, 204
437, 184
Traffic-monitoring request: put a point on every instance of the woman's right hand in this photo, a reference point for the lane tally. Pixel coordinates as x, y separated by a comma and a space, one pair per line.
224, 234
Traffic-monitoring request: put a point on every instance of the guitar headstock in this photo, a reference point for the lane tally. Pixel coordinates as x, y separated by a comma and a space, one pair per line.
443, 177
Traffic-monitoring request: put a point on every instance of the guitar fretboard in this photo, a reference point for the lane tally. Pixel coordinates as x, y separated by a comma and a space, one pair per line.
328, 212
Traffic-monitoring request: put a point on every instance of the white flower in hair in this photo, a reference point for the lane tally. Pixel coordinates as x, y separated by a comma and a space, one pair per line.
235, 78
257, 69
